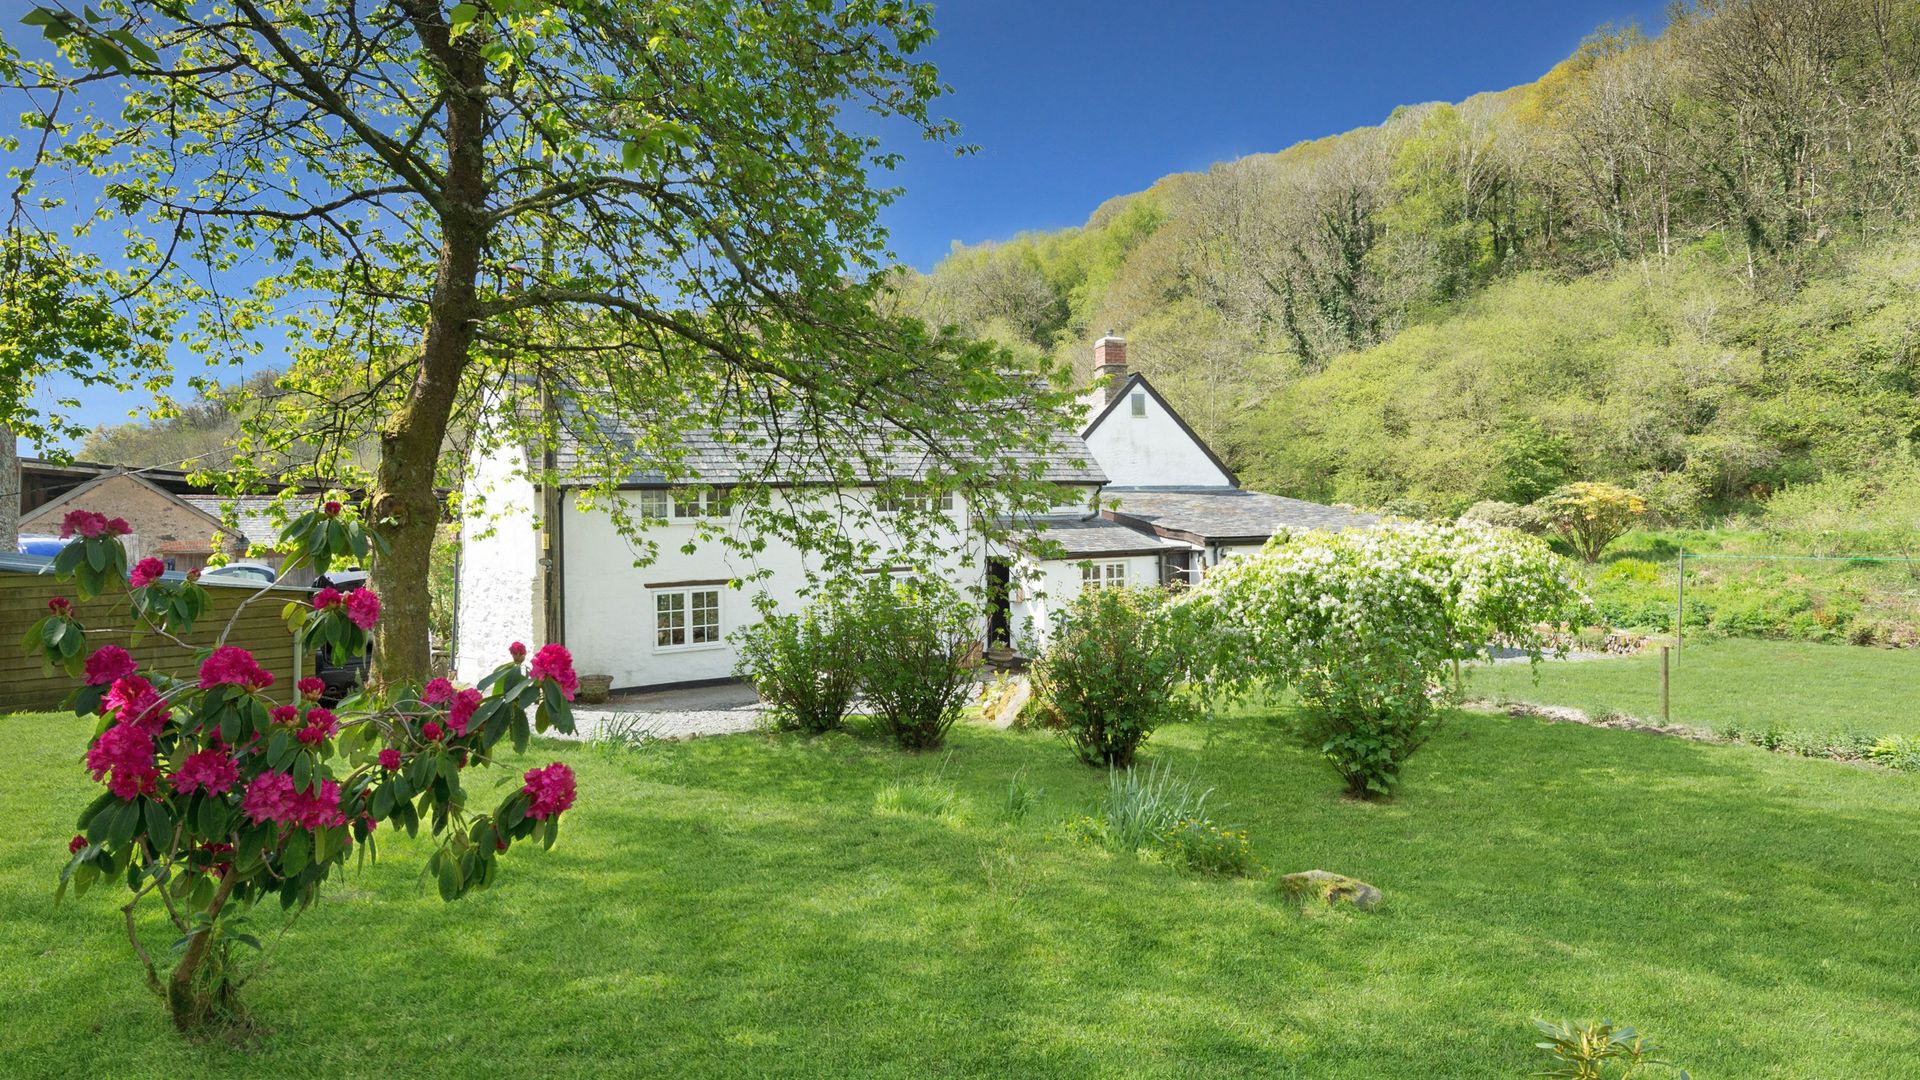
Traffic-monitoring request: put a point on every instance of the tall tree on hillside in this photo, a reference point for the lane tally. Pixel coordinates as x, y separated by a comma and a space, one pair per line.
496, 219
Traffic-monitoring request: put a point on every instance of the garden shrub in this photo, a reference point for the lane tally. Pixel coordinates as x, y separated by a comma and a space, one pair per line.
1110, 673
913, 644
1588, 515
802, 664
219, 797
1365, 624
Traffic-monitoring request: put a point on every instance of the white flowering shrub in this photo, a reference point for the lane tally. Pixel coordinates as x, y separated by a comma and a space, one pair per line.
1364, 625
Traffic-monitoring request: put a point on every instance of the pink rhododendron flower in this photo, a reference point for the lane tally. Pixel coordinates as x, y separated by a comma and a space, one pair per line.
556, 663
108, 664
231, 665
431, 730
363, 607
284, 714
552, 790
331, 508
119, 527
518, 651
321, 725
271, 797
437, 692
76, 845
390, 759
326, 598
136, 702
146, 572
193, 574
85, 523
61, 606
460, 713
211, 771
310, 687
127, 752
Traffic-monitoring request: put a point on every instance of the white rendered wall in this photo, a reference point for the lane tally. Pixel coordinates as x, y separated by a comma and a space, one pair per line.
497, 570
1045, 587
1151, 449
610, 602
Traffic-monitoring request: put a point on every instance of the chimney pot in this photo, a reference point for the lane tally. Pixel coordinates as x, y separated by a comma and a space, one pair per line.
1110, 360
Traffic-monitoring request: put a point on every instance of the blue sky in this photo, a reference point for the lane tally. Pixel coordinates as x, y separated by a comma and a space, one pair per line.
1072, 103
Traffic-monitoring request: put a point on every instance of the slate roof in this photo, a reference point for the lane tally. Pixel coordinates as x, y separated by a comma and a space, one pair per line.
733, 454
1086, 537
1224, 515
250, 514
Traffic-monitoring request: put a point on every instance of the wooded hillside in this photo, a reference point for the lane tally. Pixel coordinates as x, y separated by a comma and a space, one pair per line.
1686, 263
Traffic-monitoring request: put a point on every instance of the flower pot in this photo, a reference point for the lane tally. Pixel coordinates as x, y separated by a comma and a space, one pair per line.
594, 688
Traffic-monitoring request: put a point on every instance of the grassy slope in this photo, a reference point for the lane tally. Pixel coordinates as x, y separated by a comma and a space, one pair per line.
742, 906
1795, 685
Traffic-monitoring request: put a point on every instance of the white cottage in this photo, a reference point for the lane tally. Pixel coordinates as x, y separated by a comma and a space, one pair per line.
543, 569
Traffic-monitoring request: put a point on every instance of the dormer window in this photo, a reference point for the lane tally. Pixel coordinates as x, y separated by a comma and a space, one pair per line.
1138, 403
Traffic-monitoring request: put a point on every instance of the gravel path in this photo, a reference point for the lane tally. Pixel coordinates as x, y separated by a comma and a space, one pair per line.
664, 724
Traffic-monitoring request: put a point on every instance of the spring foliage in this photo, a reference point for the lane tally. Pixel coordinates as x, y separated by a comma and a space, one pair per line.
1364, 625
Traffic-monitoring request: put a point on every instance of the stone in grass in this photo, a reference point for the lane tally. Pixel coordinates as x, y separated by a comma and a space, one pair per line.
1329, 887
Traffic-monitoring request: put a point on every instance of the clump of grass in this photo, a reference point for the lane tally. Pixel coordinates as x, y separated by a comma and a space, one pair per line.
1022, 797
1142, 806
622, 735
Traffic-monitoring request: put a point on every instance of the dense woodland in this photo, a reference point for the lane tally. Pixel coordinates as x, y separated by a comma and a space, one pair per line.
1686, 263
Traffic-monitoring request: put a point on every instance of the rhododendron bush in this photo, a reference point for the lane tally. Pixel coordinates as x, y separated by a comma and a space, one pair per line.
1365, 624
223, 790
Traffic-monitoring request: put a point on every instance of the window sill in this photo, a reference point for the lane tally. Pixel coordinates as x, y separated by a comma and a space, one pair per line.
704, 647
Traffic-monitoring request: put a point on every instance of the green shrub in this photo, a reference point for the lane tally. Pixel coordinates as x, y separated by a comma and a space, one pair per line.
802, 665
913, 644
1589, 515
1110, 673
1366, 625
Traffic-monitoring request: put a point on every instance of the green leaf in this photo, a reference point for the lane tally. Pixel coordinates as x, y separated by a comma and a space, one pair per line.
159, 825
294, 854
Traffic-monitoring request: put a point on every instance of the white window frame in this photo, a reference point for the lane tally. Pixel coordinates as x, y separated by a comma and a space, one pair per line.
922, 502
688, 605
1137, 404
1106, 574
682, 504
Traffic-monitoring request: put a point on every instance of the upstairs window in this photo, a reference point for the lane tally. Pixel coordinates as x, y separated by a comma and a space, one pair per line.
680, 505
1138, 403
1103, 575
893, 504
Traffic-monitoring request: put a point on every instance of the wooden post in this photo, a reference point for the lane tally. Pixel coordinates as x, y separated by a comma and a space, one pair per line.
1679, 603
1666, 687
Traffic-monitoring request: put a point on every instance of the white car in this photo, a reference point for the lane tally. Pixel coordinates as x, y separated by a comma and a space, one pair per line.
242, 573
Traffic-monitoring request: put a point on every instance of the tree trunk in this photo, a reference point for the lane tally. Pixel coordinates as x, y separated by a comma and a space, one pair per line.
405, 509
9, 489
193, 1005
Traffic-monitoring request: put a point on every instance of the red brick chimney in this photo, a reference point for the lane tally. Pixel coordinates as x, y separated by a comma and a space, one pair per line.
1110, 359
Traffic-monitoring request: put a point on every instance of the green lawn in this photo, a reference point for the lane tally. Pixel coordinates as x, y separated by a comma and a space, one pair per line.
1756, 683
753, 906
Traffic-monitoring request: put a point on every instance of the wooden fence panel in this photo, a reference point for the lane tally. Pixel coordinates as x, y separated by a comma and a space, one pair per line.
23, 600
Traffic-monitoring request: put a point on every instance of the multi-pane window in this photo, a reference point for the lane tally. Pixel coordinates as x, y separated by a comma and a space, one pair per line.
1138, 403
893, 504
1103, 575
683, 617
659, 505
